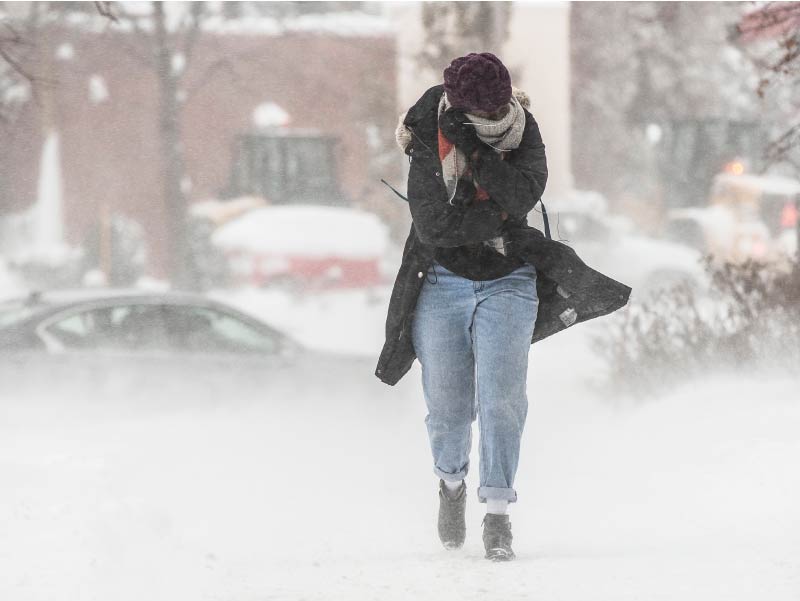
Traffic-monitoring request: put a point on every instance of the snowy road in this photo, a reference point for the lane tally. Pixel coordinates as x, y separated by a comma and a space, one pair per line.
693, 496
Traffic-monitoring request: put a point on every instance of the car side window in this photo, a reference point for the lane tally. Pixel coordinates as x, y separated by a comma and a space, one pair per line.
207, 330
122, 327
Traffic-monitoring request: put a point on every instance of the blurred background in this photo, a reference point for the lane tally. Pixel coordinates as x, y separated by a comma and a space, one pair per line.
196, 257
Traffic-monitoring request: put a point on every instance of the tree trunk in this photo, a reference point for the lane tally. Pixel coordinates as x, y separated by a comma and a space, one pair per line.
171, 152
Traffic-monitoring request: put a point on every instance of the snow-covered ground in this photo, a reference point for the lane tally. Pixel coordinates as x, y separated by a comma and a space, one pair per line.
692, 496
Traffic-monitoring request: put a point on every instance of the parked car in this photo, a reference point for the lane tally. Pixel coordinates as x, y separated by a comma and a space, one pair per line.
152, 344
610, 244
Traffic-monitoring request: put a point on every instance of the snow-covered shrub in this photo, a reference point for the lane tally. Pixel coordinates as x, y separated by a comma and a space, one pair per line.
749, 321
118, 249
58, 267
206, 265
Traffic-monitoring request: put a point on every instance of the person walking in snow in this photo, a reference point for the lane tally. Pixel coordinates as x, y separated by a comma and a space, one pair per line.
477, 285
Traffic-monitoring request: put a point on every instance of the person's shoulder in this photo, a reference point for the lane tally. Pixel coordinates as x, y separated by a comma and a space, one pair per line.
531, 136
427, 102
530, 120
431, 96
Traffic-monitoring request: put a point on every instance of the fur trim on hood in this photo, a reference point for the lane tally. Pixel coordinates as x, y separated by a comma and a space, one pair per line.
403, 136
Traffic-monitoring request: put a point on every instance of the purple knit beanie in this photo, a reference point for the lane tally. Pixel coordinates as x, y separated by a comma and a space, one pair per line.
477, 82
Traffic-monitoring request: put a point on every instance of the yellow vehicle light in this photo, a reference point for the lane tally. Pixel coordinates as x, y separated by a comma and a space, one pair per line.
735, 167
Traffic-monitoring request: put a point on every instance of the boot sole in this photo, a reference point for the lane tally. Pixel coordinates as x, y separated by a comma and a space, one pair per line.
499, 555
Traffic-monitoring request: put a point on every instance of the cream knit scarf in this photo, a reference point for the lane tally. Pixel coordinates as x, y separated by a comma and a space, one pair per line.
502, 135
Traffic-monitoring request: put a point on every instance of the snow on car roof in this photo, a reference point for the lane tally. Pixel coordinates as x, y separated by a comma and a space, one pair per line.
306, 230
770, 184
70, 296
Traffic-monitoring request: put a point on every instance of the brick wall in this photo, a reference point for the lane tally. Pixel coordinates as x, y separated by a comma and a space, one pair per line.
110, 149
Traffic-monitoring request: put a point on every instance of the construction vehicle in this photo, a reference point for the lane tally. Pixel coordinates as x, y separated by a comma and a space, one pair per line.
748, 216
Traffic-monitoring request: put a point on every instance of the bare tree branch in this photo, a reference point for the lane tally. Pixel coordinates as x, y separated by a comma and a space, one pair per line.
13, 40
768, 20
105, 10
15, 37
780, 22
790, 139
15, 65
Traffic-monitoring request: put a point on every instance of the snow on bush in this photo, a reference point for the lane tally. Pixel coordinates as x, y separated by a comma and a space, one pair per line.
750, 320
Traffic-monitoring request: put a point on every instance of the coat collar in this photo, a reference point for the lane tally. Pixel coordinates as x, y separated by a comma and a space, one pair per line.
427, 103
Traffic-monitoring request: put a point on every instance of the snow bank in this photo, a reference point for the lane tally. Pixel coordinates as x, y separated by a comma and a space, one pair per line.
332, 497
49, 208
328, 495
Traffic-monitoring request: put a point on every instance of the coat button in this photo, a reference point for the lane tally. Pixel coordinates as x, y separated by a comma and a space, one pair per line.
419, 275
436, 173
569, 271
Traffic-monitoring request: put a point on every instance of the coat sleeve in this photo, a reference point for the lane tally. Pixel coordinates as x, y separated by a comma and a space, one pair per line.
438, 223
516, 184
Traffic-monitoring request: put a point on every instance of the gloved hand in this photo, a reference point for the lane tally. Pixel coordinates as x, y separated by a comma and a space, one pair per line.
465, 193
457, 128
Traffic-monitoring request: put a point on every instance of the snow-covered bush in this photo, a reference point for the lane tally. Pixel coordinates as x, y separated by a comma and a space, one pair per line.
750, 321
206, 264
60, 268
118, 249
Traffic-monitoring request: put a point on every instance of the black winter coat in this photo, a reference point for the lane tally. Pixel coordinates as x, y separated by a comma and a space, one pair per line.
569, 291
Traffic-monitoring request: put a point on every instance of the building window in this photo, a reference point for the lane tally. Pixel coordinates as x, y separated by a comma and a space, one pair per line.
286, 169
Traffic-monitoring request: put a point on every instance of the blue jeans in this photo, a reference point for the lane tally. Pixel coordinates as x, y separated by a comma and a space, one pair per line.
472, 340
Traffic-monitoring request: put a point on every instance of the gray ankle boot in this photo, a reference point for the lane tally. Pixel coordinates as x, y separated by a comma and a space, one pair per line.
452, 521
497, 537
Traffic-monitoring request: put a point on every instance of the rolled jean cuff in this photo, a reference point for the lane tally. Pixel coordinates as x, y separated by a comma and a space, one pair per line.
451, 477
491, 492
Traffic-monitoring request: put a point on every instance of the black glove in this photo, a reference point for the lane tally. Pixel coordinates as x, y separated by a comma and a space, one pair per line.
464, 194
457, 128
